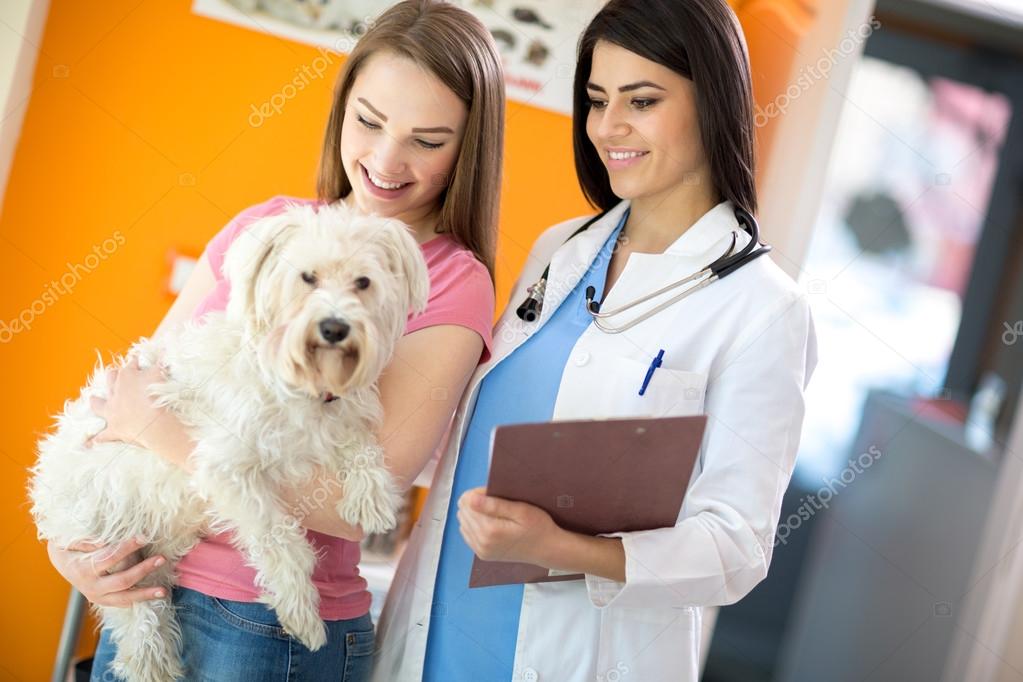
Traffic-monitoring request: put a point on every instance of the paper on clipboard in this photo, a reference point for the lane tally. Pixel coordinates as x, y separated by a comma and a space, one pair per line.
592, 477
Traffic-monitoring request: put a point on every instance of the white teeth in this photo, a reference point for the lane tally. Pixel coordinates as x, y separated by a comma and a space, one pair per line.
384, 185
620, 156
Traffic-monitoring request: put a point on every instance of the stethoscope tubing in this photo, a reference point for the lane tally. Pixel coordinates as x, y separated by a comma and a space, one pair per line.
703, 272
723, 266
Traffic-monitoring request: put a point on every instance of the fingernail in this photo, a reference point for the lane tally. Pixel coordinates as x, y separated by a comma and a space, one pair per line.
158, 594
140, 540
159, 561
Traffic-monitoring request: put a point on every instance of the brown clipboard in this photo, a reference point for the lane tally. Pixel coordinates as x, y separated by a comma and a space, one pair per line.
592, 477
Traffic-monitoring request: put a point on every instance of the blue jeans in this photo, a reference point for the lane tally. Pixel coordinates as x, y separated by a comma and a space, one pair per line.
225, 641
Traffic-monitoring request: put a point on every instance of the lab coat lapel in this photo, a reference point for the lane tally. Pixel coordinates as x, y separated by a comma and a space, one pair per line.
567, 266
570, 262
697, 247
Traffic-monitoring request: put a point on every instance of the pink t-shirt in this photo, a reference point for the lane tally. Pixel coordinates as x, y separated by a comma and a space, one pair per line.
461, 293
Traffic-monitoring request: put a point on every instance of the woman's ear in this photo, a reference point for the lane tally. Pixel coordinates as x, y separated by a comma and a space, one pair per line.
247, 263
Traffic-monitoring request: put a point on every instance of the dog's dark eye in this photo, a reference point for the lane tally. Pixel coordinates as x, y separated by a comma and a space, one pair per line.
308, 278
362, 283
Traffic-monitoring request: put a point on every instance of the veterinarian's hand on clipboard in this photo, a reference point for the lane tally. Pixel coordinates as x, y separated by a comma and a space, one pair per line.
503, 530
588, 477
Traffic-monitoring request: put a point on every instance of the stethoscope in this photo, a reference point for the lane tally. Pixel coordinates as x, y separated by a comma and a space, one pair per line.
725, 265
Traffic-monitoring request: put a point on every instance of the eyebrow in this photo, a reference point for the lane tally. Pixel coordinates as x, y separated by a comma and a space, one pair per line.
626, 88
437, 129
373, 109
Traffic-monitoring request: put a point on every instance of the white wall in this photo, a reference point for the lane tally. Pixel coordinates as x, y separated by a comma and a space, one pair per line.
21, 30
790, 193
990, 628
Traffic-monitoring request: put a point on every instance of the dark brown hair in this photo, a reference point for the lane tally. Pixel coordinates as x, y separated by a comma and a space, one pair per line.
459, 50
702, 41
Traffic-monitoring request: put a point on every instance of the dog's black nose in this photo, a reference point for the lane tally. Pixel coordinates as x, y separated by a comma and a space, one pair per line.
333, 330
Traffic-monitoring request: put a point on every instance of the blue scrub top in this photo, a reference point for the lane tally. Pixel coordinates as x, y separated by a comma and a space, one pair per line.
473, 631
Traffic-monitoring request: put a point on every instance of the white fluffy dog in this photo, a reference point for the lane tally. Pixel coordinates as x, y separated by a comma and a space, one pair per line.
277, 389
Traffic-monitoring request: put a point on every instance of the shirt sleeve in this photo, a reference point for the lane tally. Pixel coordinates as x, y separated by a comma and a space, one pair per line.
464, 297
722, 546
217, 247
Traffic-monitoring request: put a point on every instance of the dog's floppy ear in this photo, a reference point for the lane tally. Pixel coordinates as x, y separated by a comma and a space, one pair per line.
405, 260
246, 262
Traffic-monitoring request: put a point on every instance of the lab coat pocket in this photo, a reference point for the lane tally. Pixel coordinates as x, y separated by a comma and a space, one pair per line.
649, 644
668, 393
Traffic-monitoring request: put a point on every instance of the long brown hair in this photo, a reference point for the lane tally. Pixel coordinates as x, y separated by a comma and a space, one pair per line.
458, 49
702, 41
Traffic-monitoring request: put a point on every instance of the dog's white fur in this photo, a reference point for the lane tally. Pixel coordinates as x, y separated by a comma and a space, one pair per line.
250, 384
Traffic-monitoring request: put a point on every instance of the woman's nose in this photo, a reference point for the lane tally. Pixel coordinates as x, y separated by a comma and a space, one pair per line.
389, 157
613, 123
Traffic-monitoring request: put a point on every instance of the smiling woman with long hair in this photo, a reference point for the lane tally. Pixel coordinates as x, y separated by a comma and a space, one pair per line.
415, 133
664, 148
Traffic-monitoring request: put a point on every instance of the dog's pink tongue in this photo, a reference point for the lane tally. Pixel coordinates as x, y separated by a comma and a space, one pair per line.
328, 396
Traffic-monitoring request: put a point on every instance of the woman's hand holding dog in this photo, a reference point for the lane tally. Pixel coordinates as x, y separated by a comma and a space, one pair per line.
86, 566
132, 417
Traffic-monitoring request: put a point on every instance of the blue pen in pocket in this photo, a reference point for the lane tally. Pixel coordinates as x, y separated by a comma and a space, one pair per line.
650, 372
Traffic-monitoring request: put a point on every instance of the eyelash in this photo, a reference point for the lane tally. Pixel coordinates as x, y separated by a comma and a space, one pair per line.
371, 126
640, 103
422, 143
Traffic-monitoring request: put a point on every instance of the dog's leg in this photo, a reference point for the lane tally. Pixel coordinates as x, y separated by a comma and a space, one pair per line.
147, 634
284, 561
273, 542
371, 499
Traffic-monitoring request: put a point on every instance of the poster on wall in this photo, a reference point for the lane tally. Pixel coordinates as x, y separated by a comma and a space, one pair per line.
537, 40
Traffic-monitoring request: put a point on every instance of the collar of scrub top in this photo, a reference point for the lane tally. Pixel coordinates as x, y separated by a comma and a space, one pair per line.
713, 227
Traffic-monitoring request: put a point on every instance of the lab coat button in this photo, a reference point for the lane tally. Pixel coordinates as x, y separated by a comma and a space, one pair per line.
582, 358
529, 675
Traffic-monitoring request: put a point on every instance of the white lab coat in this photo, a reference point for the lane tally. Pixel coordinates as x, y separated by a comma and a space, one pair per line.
742, 351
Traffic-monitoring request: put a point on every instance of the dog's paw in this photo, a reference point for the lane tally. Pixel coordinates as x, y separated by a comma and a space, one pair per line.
370, 514
147, 668
371, 500
379, 518
299, 615
311, 632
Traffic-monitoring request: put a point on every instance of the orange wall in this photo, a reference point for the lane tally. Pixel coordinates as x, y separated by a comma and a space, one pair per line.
137, 132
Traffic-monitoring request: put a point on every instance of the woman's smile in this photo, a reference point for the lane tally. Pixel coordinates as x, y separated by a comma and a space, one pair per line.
381, 188
619, 158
